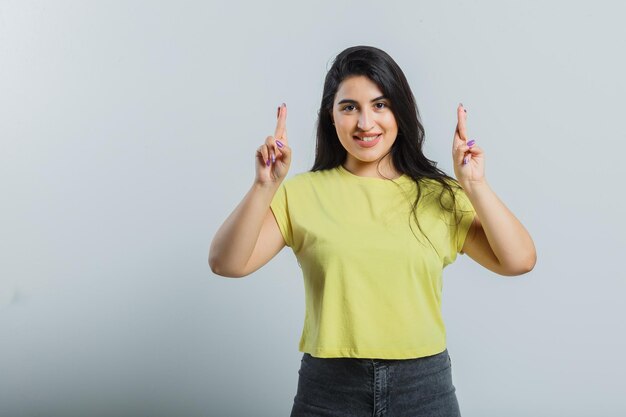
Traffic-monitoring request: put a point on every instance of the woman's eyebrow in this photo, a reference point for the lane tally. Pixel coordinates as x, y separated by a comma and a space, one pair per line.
349, 100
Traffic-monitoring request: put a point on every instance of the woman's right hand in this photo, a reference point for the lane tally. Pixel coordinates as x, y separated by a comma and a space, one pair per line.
279, 157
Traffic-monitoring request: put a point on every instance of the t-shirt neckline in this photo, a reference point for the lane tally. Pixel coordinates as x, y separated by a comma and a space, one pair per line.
401, 179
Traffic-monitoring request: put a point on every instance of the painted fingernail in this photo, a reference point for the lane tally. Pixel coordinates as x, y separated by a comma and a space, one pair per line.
465, 160
273, 159
268, 162
279, 143
471, 143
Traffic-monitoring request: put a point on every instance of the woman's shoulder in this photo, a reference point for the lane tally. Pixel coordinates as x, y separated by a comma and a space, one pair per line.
438, 184
310, 177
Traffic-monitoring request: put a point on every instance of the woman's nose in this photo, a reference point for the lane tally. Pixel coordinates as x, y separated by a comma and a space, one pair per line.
365, 120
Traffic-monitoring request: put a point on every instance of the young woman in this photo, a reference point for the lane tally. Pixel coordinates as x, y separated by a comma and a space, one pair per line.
372, 224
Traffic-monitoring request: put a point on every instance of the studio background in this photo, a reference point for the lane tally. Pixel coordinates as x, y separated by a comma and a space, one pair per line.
128, 134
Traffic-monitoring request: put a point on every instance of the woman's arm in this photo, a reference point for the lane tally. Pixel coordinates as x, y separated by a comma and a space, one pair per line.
247, 235
250, 236
497, 240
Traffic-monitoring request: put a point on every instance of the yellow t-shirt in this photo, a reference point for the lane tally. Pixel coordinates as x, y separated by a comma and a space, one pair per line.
372, 290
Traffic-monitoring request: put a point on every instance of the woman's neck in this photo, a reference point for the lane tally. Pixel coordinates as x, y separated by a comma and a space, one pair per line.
371, 169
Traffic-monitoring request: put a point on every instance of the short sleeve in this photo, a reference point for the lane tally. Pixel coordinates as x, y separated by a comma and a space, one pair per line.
280, 208
467, 213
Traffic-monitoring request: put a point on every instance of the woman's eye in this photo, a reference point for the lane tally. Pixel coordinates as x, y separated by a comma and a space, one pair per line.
378, 106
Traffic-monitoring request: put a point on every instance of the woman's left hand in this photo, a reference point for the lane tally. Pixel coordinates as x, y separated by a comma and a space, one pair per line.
473, 170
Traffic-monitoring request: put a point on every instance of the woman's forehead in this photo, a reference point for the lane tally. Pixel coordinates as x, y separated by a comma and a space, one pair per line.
358, 88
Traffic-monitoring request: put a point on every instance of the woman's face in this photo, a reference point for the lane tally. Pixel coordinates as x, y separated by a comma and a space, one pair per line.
360, 110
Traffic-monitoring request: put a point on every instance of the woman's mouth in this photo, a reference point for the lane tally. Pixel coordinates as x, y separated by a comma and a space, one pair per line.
367, 142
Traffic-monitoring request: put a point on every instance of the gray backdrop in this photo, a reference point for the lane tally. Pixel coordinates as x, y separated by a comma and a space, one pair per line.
128, 134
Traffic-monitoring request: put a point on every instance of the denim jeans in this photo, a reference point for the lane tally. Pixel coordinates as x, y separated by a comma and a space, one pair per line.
355, 387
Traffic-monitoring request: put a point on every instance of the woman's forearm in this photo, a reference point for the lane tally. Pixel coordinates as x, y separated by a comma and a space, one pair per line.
234, 241
507, 237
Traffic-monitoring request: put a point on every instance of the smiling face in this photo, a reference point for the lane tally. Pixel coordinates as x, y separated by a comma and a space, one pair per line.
360, 111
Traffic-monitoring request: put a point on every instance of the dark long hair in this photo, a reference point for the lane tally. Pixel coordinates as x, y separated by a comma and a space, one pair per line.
406, 152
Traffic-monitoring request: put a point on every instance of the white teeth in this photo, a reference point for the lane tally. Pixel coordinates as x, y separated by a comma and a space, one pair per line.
369, 139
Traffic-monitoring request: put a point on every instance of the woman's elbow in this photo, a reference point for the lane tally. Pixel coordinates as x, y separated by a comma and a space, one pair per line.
218, 270
520, 268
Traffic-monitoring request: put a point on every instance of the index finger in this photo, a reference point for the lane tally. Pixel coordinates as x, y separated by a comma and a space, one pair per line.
281, 123
462, 116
